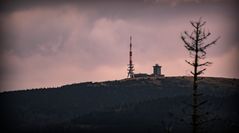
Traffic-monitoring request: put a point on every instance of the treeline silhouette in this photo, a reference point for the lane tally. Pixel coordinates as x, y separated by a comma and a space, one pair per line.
143, 105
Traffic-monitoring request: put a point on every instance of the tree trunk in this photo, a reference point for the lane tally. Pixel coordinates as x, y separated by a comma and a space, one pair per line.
195, 86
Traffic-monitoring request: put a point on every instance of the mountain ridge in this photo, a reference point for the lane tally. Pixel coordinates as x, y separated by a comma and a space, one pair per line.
70, 106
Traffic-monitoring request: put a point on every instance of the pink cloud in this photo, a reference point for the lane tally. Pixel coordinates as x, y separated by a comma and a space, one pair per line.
56, 46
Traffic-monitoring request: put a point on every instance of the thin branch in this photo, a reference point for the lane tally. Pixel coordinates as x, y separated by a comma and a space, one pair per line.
187, 44
188, 47
193, 24
192, 73
202, 24
190, 36
202, 56
190, 63
204, 36
184, 40
209, 44
205, 64
201, 71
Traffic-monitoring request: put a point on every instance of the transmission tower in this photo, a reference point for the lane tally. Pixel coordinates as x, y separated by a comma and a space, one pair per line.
130, 65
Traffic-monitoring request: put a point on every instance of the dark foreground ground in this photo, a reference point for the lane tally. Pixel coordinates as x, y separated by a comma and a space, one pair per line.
143, 105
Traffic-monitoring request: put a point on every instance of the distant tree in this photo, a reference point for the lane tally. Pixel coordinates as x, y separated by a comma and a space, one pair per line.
196, 45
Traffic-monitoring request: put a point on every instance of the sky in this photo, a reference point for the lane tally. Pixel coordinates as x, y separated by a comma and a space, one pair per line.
52, 43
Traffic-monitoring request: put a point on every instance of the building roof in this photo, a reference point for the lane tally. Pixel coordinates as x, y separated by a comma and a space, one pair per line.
156, 65
140, 75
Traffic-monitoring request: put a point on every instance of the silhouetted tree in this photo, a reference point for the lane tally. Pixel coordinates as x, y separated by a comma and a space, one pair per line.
195, 43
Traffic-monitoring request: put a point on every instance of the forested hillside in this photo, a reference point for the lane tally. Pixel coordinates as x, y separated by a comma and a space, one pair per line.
143, 105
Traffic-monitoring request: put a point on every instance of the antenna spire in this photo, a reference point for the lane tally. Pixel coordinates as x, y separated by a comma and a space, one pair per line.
130, 65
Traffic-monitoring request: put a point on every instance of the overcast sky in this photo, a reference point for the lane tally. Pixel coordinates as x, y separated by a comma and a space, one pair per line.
47, 44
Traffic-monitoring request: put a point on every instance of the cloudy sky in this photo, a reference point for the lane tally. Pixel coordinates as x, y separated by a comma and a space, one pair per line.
48, 44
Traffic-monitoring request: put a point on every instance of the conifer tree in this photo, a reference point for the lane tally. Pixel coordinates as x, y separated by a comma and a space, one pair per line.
196, 44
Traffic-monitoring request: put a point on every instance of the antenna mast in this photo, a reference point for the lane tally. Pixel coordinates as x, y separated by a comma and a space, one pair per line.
130, 65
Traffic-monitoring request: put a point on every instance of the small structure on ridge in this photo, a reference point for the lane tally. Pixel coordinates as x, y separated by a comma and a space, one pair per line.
131, 75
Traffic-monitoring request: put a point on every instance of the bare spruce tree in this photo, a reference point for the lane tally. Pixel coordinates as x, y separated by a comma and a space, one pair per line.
195, 42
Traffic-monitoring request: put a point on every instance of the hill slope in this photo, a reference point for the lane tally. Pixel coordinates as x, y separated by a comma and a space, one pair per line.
146, 105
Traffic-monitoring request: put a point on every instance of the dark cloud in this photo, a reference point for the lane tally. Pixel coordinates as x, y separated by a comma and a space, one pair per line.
7, 6
14, 5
